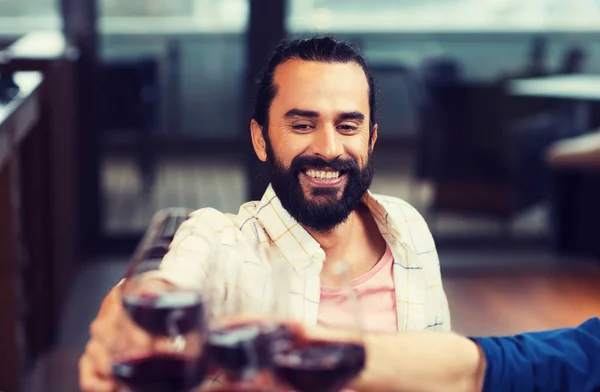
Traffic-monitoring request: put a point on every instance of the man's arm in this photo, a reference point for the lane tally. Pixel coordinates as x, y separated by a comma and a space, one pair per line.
194, 249
436, 302
420, 362
416, 361
561, 360
95, 365
436, 306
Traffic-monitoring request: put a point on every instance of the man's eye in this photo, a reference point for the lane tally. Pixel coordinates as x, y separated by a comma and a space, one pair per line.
347, 127
302, 127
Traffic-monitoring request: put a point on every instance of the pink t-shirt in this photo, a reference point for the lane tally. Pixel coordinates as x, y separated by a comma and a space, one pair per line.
375, 291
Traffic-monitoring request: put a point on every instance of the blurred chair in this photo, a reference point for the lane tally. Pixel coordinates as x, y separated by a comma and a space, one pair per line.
573, 60
437, 71
441, 70
537, 62
470, 176
411, 99
130, 99
481, 161
576, 178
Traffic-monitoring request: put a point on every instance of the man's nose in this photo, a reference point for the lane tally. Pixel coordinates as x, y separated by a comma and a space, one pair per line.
326, 143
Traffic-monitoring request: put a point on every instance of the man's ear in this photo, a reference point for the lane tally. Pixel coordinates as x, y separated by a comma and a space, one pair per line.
374, 135
258, 140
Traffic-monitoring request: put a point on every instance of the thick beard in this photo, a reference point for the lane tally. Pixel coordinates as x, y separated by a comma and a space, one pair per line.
325, 215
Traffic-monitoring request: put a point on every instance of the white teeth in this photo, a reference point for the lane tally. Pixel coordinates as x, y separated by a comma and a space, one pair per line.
323, 174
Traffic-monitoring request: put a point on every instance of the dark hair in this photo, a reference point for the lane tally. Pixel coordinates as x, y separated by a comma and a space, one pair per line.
319, 49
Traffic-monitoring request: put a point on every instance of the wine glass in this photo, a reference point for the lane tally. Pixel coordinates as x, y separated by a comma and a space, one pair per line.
327, 363
248, 316
160, 341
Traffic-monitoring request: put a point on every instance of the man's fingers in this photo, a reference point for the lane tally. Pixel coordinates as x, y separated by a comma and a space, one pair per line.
100, 359
95, 366
103, 331
90, 380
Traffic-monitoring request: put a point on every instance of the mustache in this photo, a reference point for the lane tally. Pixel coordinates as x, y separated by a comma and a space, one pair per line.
301, 163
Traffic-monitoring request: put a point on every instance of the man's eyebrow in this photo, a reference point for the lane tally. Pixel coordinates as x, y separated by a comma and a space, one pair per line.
301, 113
351, 116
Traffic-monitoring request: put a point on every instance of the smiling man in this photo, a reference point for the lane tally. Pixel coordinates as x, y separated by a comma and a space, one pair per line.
314, 125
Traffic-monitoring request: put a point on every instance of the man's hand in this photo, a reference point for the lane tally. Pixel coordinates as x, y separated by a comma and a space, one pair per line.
95, 366
113, 332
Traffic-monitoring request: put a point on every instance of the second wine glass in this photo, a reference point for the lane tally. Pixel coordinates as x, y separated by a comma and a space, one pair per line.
249, 311
160, 342
328, 363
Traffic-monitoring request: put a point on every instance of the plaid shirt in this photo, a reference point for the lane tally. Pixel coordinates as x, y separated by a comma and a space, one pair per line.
264, 230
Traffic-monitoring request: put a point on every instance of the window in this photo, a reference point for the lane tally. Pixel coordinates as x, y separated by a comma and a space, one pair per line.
146, 8
12, 8
173, 15
442, 15
18, 17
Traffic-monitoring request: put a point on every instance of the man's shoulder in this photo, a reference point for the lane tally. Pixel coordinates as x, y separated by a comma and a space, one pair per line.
215, 219
398, 208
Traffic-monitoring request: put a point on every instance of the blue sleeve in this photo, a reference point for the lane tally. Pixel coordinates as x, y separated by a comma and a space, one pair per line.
559, 360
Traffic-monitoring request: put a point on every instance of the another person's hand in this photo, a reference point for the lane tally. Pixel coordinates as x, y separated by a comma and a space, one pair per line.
411, 361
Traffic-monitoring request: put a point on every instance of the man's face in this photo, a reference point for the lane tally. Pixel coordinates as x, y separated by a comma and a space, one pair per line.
318, 148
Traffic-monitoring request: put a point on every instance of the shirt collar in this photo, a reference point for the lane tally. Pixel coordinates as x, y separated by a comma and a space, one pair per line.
386, 222
295, 243
292, 240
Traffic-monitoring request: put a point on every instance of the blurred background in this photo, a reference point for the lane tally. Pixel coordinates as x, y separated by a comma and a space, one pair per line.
111, 110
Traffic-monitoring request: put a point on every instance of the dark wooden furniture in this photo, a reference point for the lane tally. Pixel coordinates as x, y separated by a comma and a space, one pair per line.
40, 195
18, 119
480, 152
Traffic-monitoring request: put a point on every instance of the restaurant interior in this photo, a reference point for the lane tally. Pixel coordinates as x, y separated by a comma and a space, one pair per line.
489, 125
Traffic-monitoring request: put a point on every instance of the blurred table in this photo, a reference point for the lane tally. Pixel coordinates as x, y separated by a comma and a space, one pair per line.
582, 152
576, 164
574, 192
18, 118
579, 89
576, 86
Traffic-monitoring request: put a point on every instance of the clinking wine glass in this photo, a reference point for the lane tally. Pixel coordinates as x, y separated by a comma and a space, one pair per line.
160, 342
327, 363
249, 311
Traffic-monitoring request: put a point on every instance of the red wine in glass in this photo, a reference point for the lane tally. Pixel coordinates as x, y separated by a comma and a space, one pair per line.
243, 348
166, 314
316, 366
172, 320
160, 373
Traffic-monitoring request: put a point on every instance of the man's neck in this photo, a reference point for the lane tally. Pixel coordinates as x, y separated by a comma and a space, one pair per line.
357, 241
335, 242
